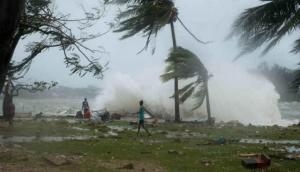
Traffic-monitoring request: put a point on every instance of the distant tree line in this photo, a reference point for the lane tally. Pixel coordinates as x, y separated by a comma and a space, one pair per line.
61, 92
283, 80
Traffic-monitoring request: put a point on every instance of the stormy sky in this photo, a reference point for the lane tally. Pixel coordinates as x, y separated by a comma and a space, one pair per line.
210, 20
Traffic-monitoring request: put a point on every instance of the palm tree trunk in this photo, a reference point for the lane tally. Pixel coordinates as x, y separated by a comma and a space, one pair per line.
176, 91
10, 11
209, 119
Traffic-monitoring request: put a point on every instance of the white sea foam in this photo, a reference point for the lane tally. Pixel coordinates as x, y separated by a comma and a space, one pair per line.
235, 94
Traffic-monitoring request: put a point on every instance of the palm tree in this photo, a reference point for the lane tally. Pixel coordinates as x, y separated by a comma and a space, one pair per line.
267, 24
148, 17
184, 65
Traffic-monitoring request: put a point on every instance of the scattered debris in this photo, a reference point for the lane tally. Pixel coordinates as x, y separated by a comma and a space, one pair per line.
206, 162
280, 150
80, 129
57, 160
292, 149
38, 116
184, 135
116, 128
102, 115
116, 116
132, 166
175, 152
146, 152
266, 141
127, 166
155, 122
220, 141
292, 156
258, 161
79, 115
111, 134
248, 154
294, 153
27, 139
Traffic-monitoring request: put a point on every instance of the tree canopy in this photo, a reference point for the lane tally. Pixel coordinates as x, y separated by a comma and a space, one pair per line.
185, 65
267, 24
52, 27
147, 17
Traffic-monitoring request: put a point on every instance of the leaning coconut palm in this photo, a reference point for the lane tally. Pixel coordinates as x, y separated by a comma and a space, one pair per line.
267, 24
185, 65
148, 17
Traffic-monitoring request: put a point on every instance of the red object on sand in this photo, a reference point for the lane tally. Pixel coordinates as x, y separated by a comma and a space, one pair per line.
87, 115
260, 162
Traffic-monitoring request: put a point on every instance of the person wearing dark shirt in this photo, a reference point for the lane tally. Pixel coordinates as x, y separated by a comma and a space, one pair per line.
86, 109
85, 106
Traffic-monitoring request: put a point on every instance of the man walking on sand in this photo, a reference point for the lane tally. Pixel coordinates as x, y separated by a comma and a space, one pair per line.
141, 118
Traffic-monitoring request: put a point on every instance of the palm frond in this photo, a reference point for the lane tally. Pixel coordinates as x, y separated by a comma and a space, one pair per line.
185, 65
186, 87
184, 96
266, 23
167, 76
147, 17
296, 48
199, 96
124, 2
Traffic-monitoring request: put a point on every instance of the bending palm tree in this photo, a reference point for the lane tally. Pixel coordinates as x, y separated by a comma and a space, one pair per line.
148, 17
184, 64
267, 23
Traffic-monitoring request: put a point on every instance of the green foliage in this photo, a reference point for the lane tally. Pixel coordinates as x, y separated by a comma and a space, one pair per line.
40, 19
185, 65
62, 92
147, 17
267, 23
33, 7
296, 81
33, 87
283, 80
